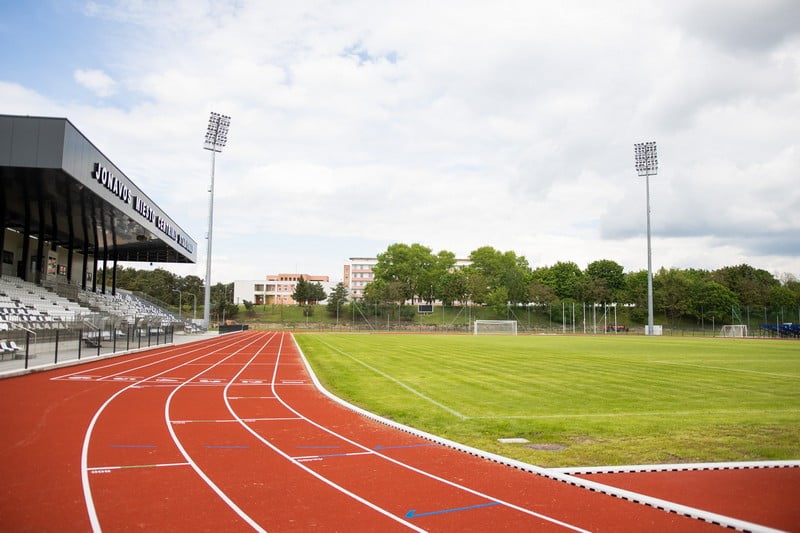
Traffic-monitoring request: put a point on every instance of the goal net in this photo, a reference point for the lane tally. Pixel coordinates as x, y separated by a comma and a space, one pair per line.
734, 330
495, 327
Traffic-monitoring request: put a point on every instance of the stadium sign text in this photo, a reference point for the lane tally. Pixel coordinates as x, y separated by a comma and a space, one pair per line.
112, 183
142, 208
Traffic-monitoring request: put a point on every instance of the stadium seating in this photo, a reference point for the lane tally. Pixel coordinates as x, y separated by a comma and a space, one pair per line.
28, 305
31, 306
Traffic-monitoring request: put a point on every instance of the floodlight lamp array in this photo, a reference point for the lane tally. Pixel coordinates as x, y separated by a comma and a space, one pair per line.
646, 158
217, 133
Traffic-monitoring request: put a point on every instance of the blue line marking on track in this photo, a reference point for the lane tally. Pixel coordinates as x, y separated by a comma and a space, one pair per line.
414, 514
379, 447
224, 446
133, 446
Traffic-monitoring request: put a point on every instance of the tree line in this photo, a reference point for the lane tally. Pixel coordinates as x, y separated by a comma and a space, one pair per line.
501, 279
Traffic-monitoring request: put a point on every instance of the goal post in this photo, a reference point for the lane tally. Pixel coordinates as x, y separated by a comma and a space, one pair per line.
733, 330
495, 327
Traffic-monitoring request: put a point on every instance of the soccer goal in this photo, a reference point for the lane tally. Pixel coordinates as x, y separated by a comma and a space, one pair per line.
733, 330
495, 327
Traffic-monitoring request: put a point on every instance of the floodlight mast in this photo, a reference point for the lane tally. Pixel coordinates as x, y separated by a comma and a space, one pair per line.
647, 165
216, 138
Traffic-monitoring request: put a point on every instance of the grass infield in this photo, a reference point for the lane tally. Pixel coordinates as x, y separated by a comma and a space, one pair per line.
579, 401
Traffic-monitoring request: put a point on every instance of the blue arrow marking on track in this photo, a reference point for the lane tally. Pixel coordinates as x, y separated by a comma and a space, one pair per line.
379, 447
414, 514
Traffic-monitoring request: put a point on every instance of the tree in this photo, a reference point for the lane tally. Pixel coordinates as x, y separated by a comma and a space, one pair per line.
337, 298
782, 296
671, 291
635, 292
565, 278
453, 287
316, 293
541, 294
430, 280
708, 299
498, 300
477, 285
751, 285
222, 305
603, 281
305, 292
413, 269
502, 269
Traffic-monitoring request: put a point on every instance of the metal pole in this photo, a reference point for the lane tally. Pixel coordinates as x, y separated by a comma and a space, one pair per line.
649, 265
646, 159
207, 300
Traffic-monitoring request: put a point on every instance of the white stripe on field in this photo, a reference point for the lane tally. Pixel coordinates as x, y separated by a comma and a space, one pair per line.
407, 387
654, 413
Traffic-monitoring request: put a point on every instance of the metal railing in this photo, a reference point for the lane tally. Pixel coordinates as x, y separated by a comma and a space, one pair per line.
80, 341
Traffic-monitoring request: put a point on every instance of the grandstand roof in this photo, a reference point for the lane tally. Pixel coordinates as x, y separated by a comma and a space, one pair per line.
55, 181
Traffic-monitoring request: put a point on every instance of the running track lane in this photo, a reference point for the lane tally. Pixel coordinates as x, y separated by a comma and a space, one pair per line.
769, 496
235, 441
237, 423
43, 424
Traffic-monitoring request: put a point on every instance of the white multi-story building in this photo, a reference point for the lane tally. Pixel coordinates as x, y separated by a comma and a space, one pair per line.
358, 274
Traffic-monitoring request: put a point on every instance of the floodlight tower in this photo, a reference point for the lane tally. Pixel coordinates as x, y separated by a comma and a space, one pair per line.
216, 137
647, 165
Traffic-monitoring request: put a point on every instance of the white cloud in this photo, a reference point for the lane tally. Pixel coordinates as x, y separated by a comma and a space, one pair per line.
96, 81
455, 124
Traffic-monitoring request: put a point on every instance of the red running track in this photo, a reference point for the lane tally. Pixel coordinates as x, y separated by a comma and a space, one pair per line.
231, 434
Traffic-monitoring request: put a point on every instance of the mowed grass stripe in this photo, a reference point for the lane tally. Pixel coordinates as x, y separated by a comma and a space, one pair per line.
607, 399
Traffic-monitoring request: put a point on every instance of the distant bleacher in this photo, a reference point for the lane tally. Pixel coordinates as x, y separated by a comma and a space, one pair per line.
783, 330
126, 307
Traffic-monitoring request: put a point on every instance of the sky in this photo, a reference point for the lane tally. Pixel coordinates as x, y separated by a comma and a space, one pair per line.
454, 124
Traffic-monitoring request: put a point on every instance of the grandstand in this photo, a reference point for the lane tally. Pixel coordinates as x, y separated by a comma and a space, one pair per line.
68, 215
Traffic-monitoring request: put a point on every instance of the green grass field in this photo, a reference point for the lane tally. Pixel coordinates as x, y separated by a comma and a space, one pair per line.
603, 400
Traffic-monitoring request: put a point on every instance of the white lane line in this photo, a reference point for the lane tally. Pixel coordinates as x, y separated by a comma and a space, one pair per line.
322, 456
234, 420
87, 490
105, 469
224, 497
299, 463
728, 369
395, 380
652, 413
